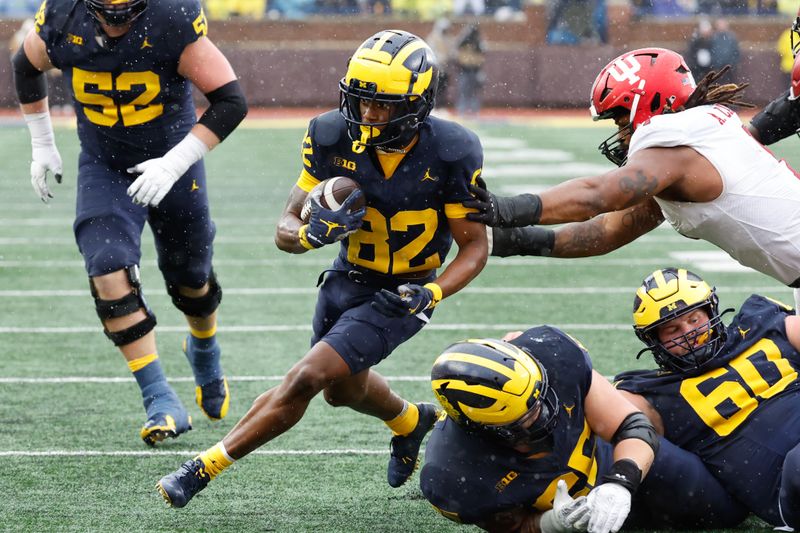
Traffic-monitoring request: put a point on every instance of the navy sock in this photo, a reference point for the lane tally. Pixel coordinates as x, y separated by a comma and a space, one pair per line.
203, 355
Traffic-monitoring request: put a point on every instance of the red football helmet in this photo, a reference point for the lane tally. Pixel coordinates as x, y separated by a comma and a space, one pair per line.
794, 86
641, 83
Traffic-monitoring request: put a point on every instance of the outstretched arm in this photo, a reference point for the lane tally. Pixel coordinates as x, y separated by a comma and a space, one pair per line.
597, 236
645, 175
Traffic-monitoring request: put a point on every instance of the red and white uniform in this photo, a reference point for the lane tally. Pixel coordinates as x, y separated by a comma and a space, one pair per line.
756, 218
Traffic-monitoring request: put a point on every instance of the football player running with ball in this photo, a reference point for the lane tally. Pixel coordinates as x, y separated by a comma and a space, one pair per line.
730, 394
685, 157
414, 172
131, 65
536, 440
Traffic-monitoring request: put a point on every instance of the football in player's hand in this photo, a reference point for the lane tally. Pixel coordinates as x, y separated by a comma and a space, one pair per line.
331, 194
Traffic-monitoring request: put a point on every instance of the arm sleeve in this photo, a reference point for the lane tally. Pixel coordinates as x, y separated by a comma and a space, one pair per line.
780, 119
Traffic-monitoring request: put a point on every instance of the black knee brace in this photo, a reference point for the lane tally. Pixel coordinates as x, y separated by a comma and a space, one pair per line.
198, 307
128, 304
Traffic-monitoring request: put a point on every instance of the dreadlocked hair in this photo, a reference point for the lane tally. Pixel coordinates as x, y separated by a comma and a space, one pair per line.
707, 92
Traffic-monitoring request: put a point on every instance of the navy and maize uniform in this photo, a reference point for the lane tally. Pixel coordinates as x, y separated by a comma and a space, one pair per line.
405, 235
469, 478
132, 105
741, 417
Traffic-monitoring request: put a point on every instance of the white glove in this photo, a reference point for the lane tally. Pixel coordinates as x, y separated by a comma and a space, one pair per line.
45, 156
158, 175
567, 514
609, 505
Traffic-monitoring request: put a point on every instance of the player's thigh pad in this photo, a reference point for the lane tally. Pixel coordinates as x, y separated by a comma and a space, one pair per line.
108, 225
184, 232
360, 335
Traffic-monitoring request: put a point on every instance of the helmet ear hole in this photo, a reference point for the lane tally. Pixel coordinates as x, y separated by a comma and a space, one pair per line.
655, 104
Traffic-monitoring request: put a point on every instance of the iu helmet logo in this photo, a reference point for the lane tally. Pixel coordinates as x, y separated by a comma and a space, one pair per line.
625, 69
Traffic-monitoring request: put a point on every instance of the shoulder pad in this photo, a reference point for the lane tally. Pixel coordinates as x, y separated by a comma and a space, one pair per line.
453, 141
327, 128
53, 15
759, 305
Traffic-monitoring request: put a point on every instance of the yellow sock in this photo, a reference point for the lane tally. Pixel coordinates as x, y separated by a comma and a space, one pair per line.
406, 421
198, 334
216, 459
141, 362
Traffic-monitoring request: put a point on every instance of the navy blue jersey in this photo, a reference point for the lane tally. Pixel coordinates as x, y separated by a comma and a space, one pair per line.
742, 416
468, 478
405, 228
130, 101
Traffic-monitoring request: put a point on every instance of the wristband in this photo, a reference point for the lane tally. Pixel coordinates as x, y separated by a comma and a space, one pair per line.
185, 154
624, 472
519, 211
301, 234
41, 128
437, 294
531, 240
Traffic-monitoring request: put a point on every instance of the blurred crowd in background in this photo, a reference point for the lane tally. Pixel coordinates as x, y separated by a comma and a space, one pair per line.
460, 47
433, 9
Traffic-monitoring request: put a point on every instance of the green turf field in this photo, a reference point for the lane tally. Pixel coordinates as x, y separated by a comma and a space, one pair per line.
70, 413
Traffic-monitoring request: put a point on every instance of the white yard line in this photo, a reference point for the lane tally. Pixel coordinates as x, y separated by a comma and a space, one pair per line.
152, 453
271, 291
63, 330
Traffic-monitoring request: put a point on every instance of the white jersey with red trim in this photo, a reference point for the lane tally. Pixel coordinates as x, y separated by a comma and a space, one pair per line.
756, 218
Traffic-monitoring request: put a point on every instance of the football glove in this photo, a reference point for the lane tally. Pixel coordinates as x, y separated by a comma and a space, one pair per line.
567, 515
411, 300
326, 226
158, 175
502, 212
44, 154
609, 505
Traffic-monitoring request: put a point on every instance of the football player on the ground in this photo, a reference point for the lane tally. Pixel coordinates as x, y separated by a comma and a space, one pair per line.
729, 394
129, 64
414, 172
521, 448
685, 157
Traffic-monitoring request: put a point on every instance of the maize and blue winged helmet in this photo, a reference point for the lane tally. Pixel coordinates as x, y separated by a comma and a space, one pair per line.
394, 68
667, 294
495, 388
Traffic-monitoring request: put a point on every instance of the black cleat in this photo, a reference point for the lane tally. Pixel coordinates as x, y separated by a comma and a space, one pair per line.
180, 486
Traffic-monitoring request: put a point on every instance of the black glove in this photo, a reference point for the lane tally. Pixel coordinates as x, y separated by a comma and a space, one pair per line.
411, 300
500, 211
